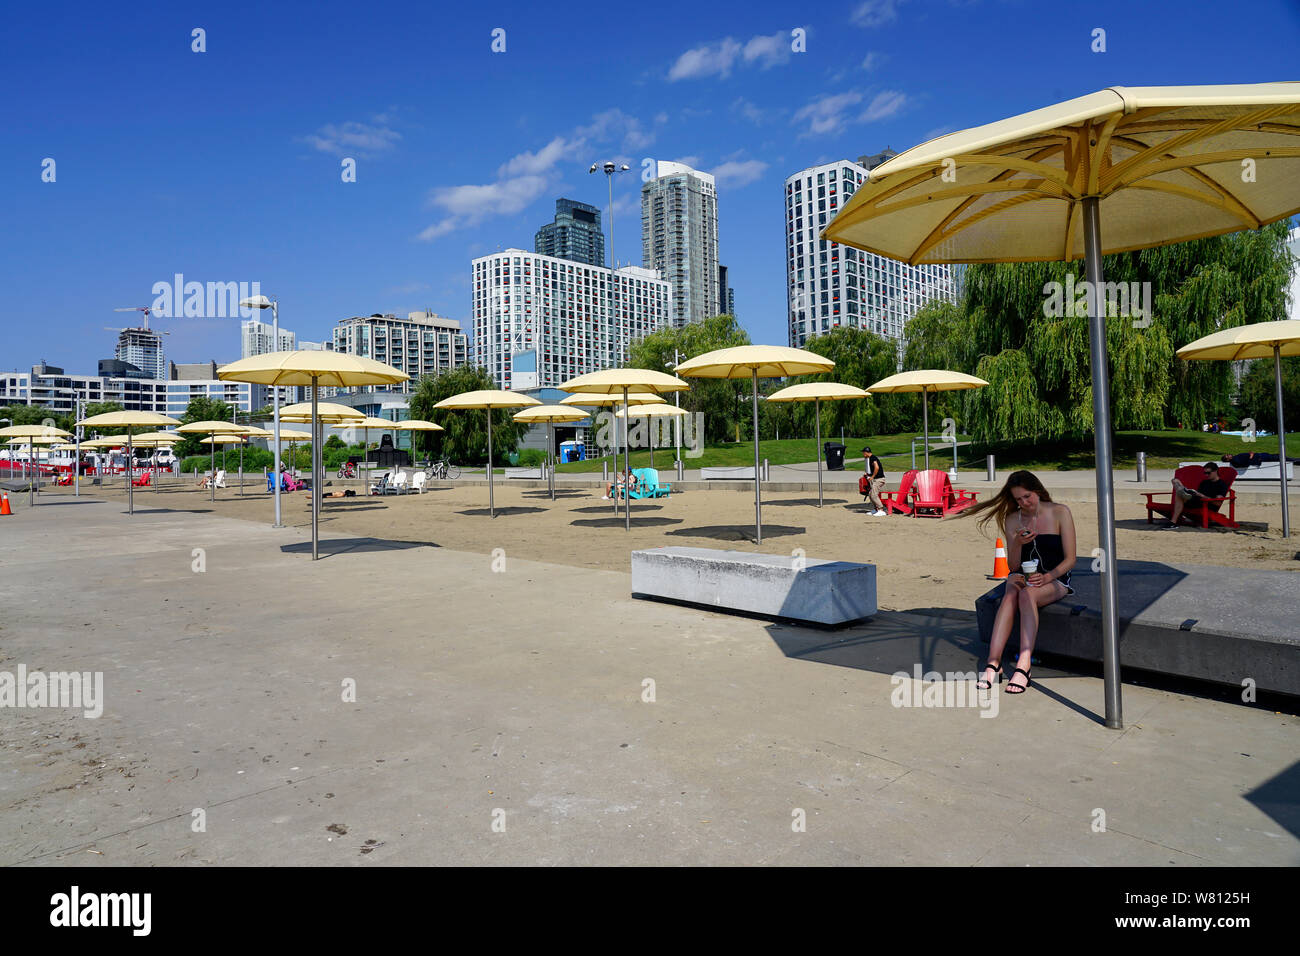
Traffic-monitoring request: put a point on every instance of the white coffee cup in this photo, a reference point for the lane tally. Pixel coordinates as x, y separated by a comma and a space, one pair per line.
1029, 567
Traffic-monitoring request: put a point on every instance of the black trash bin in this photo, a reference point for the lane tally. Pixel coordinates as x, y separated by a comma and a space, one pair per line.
834, 455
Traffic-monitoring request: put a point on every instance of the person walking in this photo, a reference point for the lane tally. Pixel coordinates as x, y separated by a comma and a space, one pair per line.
875, 481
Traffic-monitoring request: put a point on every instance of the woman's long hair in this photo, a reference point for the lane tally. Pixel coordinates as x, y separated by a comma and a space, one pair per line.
1003, 505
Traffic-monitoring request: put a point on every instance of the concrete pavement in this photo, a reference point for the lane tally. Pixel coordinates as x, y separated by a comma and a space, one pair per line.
502, 715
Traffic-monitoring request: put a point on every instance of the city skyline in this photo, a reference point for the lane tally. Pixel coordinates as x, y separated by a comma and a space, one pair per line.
245, 182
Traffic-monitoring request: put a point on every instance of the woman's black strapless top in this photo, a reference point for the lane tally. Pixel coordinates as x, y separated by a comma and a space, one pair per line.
1049, 552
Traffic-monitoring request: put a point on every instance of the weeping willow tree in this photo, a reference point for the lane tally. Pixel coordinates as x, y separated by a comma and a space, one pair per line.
1011, 331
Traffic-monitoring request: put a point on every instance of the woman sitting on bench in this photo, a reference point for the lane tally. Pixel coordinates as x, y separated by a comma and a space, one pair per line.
622, 479
1039, 530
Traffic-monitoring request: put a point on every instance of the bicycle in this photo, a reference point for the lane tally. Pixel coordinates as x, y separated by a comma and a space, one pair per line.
443, 469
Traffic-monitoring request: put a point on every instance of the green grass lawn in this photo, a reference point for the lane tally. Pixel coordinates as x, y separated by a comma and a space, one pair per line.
1164, 449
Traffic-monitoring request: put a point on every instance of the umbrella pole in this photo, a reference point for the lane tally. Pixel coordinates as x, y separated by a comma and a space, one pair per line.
212, 463
550, 455
492, 504
315, 473
130, 485
925, 424
817, 450
241, 471
627, 462
758, 501
1281, 439
31, 481
1105, 476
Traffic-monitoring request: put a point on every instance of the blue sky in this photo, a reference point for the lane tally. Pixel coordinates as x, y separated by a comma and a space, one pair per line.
225, 165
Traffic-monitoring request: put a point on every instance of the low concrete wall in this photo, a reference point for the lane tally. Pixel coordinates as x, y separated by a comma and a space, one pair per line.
772, 585
1223, 625
739, 473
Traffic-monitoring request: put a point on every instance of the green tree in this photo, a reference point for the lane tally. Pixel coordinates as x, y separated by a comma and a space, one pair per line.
101, 408
721, 400
201, 409
861, 358
465, 437
1258, 397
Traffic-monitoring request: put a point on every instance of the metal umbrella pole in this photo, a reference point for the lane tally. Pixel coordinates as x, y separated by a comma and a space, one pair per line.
627, 462
925, 422
315, 473
818, 450
31, 481
76, 460
1281, 438
492, 505
212, 464
1105, 476
550, 456
130, 485
758, 499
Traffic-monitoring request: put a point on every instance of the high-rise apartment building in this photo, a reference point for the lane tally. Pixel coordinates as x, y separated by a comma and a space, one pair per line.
831, 285
143, 348
540, 320
727, 295
575, 234
258, 338
423, 343
679, 238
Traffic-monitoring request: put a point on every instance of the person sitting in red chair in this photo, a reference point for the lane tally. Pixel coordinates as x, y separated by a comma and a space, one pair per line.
1187, 499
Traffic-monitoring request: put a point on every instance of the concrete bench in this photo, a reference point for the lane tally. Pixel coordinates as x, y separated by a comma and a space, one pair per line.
741, 473
771, 585
1269, 471
1209, 623
524, 473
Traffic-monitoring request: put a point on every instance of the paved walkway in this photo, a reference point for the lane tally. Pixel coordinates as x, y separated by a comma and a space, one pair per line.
517, 695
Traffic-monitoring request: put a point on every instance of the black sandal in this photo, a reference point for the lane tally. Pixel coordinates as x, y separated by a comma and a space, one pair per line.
997, 676
1018, 688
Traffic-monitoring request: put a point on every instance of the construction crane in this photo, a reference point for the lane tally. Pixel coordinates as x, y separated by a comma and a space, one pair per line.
138, 308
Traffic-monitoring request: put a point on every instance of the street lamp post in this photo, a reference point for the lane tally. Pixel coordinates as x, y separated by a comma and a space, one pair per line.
262, 302
610, 169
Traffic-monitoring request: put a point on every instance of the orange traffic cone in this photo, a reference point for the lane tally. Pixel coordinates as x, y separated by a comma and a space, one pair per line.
1000, 568
4, 504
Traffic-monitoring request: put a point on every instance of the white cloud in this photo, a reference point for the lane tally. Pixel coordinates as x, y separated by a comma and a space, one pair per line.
542, 161
827, 113
748, 110
735, 173
361, 139
614, 124
710, 59
875, 13
883, 106
872, 60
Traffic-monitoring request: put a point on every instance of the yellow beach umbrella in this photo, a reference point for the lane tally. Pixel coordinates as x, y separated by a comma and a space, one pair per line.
550, 415
1260, 340
28, 433
754, 362
652, 410
156, 440
215, 428
818, 392
926, 381
130, 421
488, 399
1157, 165
365, 423
624, 382
313, 369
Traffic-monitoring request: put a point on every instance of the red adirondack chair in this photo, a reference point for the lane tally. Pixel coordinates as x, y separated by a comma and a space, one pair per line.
934, 496
142, 481
897, 500
1208, 510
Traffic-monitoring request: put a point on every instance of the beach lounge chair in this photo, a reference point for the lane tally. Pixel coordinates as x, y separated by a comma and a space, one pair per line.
935, 497
418, 481
399, 484
898, 500
383, 486
221, 479
142, 481
1208, 511
648, 486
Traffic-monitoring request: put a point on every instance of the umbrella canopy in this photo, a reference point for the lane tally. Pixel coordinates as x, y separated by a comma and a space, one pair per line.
754, 362
327, 412
417, 425
156, 438
1261, 340
623, 382
366, 422
38, 440
212, 428
294, 435
33, 431
488, 399
818, 392
1166, 164
598, 401
659, 410
224, 440
550, 415
254, 431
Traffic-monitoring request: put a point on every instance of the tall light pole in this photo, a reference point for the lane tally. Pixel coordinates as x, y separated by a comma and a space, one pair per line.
610, 169
677, 419
262, 302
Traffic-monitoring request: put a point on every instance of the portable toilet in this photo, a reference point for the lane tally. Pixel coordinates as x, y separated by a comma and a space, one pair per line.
570, 451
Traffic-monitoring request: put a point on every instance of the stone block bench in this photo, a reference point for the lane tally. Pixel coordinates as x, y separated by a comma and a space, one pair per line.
739, 473
1222, 625
783, 586
535, 473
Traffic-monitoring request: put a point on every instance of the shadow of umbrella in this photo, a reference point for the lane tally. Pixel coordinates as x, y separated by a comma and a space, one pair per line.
621, 523
328, 547
513, 510
1280, 799
733, 533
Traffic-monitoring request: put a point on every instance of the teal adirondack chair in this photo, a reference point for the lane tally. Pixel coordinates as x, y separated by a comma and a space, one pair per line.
648, 485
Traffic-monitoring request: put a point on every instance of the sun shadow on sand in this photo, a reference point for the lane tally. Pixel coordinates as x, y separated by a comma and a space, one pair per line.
501, 512
332, 546
1248, 528
826, 502
1280, 798
647, 522
605, 509
170, 511
737, 533
74, 501
559, 493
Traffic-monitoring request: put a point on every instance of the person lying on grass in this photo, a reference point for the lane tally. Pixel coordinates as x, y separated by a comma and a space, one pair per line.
1039, 531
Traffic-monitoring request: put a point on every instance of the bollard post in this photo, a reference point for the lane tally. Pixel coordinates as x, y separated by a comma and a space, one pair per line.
604, 465
1141, 466
681, 470
766, 472
992, 468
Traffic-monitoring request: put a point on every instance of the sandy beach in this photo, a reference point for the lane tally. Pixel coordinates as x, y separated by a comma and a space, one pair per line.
921, 562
